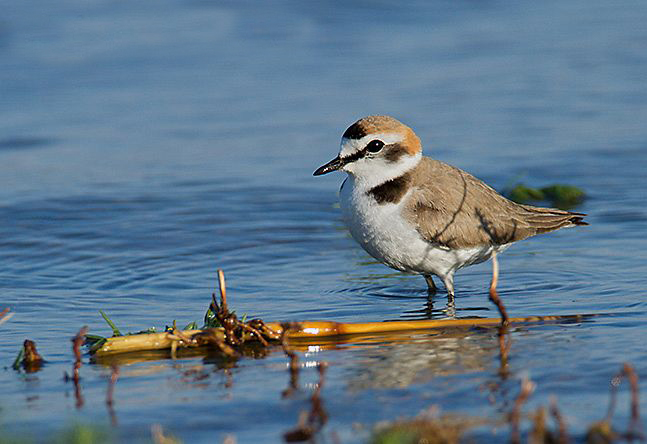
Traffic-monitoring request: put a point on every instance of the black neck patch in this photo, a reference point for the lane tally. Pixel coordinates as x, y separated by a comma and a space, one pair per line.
391, 191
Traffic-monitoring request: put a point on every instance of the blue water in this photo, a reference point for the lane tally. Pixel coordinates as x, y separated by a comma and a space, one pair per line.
145, 144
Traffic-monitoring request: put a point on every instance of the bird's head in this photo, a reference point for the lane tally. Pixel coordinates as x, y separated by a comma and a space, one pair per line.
376, 149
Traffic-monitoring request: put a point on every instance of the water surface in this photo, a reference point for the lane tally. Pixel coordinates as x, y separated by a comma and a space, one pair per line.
144, 145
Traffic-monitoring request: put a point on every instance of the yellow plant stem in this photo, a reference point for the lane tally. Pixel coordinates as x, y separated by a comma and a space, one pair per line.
314, 330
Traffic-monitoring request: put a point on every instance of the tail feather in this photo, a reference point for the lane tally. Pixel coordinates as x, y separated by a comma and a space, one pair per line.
549, 219
578, 220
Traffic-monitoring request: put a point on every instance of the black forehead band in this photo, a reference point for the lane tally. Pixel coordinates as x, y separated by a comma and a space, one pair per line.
355, 132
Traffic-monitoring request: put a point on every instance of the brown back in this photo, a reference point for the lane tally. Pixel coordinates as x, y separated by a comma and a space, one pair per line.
452, 208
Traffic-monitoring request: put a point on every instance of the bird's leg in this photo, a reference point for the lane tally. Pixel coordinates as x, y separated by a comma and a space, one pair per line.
504, 347
451, 308
448, 280
431, 285
494, 296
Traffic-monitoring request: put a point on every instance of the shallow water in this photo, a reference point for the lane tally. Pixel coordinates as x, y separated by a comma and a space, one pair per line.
144, 145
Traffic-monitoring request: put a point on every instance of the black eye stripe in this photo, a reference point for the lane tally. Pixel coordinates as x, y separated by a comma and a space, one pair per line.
361, 153
355, 156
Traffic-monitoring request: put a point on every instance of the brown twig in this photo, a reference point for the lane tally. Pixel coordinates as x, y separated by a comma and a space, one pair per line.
31, 361
310, 423
635, 424
504, 349
294, 359
527, 387
602, 431
614, 383
562, 431
264, 329
235, 329
254, 331
5, 315
318, 415
538, 433
214, 337
110, 394
77, 342
223, 290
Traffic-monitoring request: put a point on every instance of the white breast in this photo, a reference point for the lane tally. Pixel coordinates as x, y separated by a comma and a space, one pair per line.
382, 231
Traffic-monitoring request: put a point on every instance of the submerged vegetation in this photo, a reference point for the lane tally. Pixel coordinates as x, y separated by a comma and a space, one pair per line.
557, 195
432, 428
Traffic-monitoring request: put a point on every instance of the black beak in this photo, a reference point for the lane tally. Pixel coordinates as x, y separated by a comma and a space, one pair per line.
333, 165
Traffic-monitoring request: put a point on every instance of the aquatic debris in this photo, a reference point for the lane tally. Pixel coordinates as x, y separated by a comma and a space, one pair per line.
428, 427
230, 335
83, 434
312, 331
307, 331
236, 331
602, 431
294, 360
158, 436
28, 358
563, 194
538, 434
560, 196
77, 342
114, 375
310, 422
115, 330
5, 315
562, 433
527, 387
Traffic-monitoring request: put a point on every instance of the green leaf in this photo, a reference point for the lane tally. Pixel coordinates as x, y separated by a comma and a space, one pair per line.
18, 360
96, 345
210, 320
115, 330
191, 326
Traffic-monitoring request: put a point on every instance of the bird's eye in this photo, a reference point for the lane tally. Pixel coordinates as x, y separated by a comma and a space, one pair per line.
374, 146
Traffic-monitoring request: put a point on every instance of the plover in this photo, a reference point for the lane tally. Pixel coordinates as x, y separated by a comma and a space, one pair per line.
417, 214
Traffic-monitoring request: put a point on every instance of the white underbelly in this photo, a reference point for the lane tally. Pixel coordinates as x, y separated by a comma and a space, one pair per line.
388, 237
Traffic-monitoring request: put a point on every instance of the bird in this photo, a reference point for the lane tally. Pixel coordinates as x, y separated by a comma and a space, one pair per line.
419, 215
